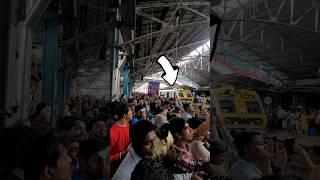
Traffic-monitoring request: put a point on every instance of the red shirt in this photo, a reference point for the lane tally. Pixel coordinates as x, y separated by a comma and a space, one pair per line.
119, 140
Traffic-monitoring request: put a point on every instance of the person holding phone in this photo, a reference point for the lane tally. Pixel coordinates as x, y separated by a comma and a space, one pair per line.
188, 112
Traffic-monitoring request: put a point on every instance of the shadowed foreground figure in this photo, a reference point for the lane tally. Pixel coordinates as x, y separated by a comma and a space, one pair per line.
149, 169
46, 158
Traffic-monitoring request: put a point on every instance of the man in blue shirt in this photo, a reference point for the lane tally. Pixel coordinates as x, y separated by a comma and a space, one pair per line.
140, 114
254, 156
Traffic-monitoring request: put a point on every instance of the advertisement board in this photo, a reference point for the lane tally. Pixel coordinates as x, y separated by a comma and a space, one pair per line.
153, 88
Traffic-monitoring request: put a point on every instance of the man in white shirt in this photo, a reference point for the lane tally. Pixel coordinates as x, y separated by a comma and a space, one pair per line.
142, 137
282, 114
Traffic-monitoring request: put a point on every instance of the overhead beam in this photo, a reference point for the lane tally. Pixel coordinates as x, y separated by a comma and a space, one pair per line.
196, 12
170, 29
159, 42
169, 4
295, 16
170, 50
273, 23
140, 13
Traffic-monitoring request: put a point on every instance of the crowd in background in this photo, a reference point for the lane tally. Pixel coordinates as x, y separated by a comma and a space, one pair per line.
295, 120
73, 149
159, 138
145, 137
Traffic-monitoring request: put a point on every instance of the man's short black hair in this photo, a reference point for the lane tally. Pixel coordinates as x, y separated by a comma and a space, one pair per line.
149, 169
195, 122
243, 139
39, 108
42, 151
176, 126
138, 133
138, 108
122, 109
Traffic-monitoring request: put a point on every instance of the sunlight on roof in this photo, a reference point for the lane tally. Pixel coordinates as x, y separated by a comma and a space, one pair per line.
203, 49
143, 87
155, 76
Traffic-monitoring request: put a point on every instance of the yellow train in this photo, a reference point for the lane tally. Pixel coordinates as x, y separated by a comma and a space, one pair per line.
239, 108
184, 95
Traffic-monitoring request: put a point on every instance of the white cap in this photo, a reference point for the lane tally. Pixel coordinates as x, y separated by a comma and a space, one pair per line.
160, 120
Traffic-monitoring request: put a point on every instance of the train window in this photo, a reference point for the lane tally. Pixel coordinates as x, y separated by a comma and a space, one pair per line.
227, 106
253, 107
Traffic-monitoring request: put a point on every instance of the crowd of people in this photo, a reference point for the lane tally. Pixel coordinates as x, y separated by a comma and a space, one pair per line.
295, 120
161, 138
145, 137
38, 150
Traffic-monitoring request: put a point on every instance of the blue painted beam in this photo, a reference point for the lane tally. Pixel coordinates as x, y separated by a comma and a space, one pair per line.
50, 57
130, 85
125, 80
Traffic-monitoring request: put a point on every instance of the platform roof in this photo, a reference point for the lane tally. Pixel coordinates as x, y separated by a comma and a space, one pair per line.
174, 28
279, 37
